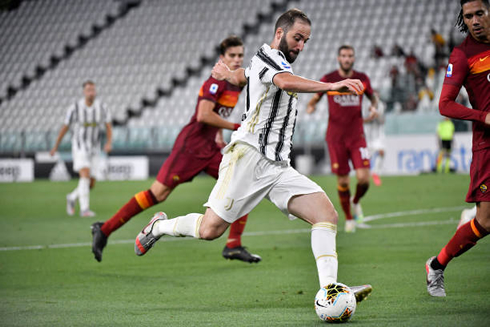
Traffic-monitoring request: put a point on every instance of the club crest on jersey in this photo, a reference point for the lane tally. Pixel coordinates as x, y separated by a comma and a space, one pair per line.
449, 72
285, 65
213, 88
483, 188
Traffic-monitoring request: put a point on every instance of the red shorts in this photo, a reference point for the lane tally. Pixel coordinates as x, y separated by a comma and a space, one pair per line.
340, 153
182, 166
479, 190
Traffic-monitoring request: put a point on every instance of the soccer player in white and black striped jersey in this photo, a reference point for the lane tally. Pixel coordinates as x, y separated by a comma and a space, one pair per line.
86, 117
256, 163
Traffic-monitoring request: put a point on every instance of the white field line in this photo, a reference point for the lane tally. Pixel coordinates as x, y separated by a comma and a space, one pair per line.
277, 232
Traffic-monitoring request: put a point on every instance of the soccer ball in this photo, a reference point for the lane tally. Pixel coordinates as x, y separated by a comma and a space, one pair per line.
335, 302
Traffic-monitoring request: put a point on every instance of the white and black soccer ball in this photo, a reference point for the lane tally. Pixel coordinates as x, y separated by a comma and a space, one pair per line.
335, 302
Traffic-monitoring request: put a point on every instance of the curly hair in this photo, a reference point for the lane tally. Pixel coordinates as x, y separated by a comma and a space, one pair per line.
460, 21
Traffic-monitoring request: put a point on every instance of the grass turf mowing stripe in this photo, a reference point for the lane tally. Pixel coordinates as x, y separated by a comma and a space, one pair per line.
290, 231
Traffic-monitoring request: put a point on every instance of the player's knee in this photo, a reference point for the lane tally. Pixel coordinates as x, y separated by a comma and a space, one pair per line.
209, 234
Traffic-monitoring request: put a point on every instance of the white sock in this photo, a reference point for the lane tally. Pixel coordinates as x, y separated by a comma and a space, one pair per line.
378, 167
181, 226
73, 195
323, 245
83, 193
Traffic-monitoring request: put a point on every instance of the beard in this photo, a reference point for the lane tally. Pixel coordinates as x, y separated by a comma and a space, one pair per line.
289, 54
347, 67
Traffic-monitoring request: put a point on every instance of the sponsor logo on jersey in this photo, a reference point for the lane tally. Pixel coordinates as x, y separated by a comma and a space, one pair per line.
285, 65
483, 188
449, 72
347, 100
176, 178
213, 88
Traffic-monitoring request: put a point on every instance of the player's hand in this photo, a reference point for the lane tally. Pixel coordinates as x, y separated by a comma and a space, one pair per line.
220, 142
373, 114
310, 109
220, 71
107, 148
353, 86
53, 151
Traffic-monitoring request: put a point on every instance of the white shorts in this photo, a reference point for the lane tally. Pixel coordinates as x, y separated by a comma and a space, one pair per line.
83, 159
246, 177
376, 145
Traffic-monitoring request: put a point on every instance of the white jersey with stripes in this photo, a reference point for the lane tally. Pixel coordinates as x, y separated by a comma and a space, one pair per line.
87, 124
270, 113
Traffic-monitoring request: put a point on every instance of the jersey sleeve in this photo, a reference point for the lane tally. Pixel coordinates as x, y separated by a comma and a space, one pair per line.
211, 89
368, 89
270, 64
69, 115
457, 68
456, 73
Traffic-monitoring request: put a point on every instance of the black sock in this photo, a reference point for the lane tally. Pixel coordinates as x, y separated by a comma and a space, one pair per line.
436, 265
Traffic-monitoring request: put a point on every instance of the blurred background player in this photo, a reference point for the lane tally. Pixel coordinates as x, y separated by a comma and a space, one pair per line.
376, 140
469, 66
256, 163
197, 149
445, 134
345, 134
86, 117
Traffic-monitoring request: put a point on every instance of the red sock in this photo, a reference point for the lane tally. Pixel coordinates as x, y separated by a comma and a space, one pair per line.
361, 189
141, 201
344, 195
236, 231
464, 239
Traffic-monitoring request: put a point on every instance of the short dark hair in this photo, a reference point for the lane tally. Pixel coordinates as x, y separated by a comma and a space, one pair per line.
345, 47
286, 20
88, 82
230, 41
460, 21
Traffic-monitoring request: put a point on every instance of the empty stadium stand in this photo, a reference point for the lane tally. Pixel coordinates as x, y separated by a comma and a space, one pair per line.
149, 58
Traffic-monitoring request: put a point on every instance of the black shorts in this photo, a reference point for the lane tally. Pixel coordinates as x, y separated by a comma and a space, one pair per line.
446, 145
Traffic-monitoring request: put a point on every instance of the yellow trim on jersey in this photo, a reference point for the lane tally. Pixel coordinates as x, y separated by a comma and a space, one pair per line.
255, 118
474, 229
235, 156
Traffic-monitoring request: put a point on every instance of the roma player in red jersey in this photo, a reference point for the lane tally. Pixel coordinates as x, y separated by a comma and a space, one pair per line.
345, 134
196, 149
469, 66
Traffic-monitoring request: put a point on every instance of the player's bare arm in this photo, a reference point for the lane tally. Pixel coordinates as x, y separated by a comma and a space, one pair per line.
108, 144
311, 107
292, 83
450, 108
222, 72
206, 115
62, 133
373, 109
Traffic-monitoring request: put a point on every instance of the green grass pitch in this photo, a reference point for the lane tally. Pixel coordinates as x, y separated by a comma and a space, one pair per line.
186, 282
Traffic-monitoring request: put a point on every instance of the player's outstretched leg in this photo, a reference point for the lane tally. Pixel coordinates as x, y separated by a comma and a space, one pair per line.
233, 248
464, 239
207, 227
